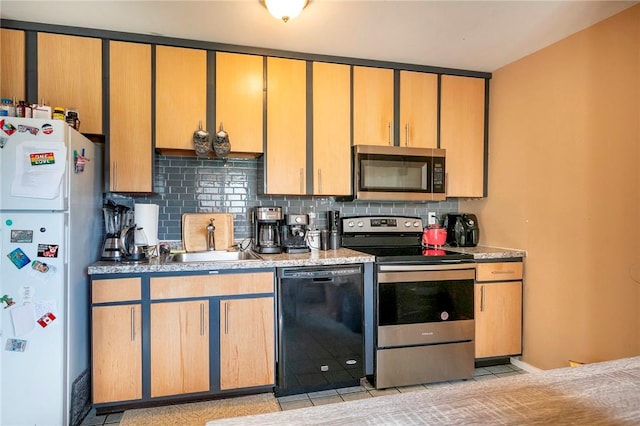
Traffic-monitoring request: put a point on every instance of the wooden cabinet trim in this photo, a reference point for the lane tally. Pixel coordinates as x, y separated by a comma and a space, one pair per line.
499, 271
211, 285
116, 290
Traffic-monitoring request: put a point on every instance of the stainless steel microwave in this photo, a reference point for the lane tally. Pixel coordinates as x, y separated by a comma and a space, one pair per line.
398, 173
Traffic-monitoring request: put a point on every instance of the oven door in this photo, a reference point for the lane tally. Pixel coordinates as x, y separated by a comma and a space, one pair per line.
425, 304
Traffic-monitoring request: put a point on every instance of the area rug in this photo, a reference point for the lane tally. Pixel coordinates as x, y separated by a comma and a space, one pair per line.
606, 393
198, 413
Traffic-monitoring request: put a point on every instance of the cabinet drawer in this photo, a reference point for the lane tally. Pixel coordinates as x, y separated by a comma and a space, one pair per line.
499, 271
211, 285
116, 290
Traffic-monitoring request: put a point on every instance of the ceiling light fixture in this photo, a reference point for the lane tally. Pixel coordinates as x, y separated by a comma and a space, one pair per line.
285, 9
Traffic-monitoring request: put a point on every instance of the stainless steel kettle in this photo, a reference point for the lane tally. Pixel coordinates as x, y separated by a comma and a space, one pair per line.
133, 243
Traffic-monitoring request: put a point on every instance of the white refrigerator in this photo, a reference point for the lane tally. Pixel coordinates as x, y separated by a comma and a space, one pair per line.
50, 231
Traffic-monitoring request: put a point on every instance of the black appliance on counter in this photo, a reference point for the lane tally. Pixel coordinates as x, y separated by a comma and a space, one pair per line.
320, 328
462, 229
293, 233
423, 303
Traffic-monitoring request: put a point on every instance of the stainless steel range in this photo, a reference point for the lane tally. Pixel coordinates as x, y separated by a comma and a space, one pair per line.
423, 300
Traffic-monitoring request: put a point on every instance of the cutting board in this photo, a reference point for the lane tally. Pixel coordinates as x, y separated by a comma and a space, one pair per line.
194, 230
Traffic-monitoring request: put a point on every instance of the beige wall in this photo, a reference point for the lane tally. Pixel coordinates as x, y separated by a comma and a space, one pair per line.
564, 185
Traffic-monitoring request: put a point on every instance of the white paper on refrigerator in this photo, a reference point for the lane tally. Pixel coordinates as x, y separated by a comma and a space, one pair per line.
39, 169
24, 319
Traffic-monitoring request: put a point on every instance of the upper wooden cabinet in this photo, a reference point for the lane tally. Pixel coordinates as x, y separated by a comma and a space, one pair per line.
181, 96
462, 129
12, 64
240, 100
70, 76
372, 106
331, 129
418, 110
130, 146
286, 127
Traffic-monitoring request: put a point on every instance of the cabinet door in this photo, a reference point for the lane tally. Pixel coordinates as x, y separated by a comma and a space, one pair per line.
418, 109
239, 99
372, 106
116, 353
498, 318
462, 134
12, 64
130, 144
286, 127
181, 96
70, 76
247, 343
331, 129
179, 347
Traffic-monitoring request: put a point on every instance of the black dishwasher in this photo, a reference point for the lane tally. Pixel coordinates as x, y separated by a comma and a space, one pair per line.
320, 328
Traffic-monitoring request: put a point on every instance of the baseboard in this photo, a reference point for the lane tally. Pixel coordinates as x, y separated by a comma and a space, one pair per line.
515, 360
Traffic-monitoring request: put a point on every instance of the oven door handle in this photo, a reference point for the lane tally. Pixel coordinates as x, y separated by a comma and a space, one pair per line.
418, 267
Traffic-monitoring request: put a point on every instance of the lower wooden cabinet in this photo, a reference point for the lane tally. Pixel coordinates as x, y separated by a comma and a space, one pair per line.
163, 336
179, 335
498, 309
247, 346
116, 340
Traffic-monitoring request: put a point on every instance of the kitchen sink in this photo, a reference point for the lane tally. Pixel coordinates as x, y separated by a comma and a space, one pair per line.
215, 256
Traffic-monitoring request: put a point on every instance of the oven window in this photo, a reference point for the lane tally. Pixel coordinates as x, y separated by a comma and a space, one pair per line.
415, 302
394, 173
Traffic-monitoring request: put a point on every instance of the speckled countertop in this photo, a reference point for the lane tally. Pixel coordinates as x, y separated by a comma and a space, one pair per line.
314, 258
488, 253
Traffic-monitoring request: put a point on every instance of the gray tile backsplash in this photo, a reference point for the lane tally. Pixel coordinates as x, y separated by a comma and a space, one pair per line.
195, 185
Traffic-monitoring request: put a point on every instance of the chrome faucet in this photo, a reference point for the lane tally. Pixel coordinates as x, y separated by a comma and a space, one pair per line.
211, 238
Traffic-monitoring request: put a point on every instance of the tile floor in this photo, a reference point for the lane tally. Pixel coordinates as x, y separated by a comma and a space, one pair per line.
366, 390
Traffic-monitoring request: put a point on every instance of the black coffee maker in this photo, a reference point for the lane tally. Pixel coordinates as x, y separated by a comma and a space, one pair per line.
266, 222
293, 233
462, 229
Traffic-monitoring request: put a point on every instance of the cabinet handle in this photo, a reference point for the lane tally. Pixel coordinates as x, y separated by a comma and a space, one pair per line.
115, 175
482, 299
503, 272
226, 318
320, 181
406, 133
301, 180
390, 136
202, 319
133, 324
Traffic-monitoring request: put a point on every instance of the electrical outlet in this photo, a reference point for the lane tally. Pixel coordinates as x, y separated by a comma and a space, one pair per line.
432, 218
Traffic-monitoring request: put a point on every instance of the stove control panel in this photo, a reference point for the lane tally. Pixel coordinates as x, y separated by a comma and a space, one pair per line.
381, 224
